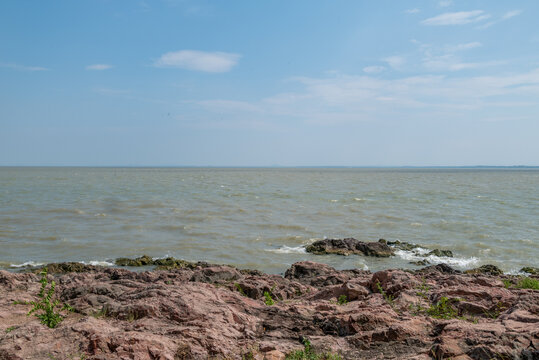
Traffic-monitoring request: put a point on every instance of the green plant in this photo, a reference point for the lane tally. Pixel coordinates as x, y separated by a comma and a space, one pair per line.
423, 290
238, 286
10, 329
342, 300
507, 283
44, 308
443, 309
267, 299
526, 282
309, 354
493, 314
388, 298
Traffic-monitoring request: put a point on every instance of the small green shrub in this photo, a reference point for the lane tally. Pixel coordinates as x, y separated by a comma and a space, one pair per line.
388, 298
309, 354
267, 299
443, 309
526, 282
44, 308
342, 300
507, 283
238, 286
423, 290
493, 314
10, 329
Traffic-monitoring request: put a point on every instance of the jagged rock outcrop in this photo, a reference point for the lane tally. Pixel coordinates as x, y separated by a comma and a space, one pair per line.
219, 312
350, 246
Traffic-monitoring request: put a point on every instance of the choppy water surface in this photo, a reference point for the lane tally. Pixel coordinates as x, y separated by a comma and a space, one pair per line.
262, 218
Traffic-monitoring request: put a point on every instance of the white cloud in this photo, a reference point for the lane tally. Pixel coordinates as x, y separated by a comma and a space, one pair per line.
22, 67
445, 3
99, 67
457, 18
463, 47
228, 105
214, 62
510, 14
373, 69
395, 62
448, 57
412, 11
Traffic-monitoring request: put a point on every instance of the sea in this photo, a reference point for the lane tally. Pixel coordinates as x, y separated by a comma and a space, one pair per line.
262, 218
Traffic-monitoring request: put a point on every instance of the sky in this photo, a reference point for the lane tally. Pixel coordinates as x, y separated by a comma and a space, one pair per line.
269, 83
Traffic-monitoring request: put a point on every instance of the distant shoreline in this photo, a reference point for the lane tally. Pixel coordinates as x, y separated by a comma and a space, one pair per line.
397, 167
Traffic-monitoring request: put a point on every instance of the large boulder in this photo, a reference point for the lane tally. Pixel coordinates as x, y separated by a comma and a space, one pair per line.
350, 246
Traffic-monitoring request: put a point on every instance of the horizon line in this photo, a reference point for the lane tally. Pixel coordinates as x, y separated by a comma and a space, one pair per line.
279, 166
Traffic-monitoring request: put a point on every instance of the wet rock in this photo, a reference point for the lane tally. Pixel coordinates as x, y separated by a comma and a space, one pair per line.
530, 270
170, 263
67, 267
401, 245
441, 253
144, 260
420, 263
486, 269
350, 246
442, 268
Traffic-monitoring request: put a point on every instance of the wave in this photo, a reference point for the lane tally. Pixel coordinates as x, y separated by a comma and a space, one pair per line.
26, 264
418, 254
289, 250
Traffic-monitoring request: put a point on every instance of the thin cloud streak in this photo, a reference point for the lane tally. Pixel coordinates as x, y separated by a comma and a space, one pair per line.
212, 62
457, 18
99, 67
22, 67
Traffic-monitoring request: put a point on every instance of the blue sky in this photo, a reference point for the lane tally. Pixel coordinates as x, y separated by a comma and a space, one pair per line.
252, 83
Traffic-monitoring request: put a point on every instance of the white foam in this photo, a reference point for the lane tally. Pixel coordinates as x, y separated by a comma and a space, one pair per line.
28, 263
415, 255
97, 263
289, 250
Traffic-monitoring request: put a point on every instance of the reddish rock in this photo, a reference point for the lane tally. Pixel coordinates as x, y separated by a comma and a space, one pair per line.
199, 312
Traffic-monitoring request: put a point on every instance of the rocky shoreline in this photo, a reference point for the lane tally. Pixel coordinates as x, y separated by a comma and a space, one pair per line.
184, 310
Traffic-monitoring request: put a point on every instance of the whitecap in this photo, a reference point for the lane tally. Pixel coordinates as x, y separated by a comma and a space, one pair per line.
97, 263
26, 264
416, 255
289, 250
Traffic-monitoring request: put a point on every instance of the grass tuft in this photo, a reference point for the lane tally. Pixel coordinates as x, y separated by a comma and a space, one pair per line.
526, 282
342, 300
268, 299
309, 354
443, 309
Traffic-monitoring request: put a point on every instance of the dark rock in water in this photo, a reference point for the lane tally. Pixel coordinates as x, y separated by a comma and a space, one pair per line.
66, 267
441, 253
530, 270
168, 263
442, 268
144, 260
350, 246
401, 245
420, 263
486, 269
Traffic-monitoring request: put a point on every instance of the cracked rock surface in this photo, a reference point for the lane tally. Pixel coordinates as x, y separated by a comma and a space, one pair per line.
218, 312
